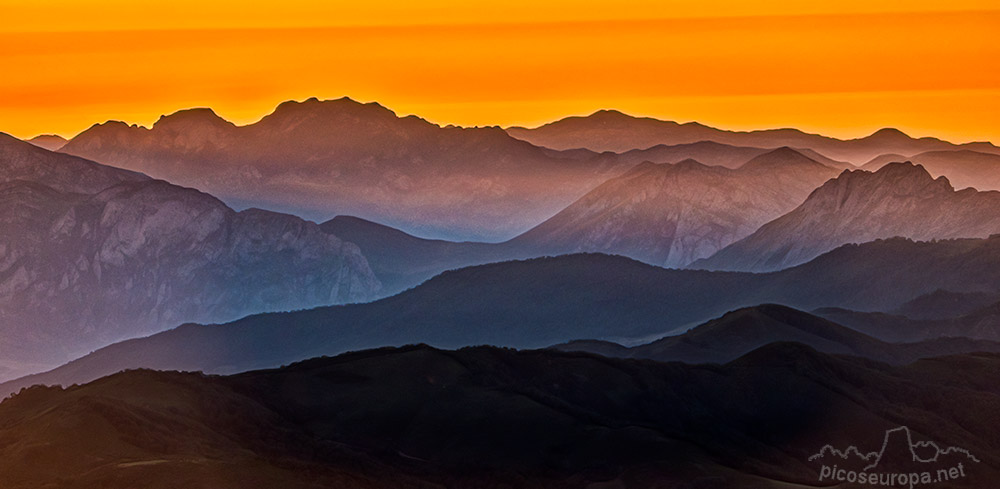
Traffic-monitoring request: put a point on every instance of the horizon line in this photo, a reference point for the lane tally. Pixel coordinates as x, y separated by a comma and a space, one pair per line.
578, 115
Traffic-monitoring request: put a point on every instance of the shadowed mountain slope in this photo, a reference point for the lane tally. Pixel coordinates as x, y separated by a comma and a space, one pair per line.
401, 261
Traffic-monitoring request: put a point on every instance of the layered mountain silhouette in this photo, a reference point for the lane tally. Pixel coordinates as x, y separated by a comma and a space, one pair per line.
642, 286
92, 254
900, 199
964, 168
672, 215
712, 154
611, 130
340, 157
945, 304
488, 417
979, 323
662, 214
401, 261
740, 332
542, 302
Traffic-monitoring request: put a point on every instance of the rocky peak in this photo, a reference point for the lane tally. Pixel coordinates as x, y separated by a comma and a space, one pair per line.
110, 133
894, 179
906, 177
291, 111
192, 120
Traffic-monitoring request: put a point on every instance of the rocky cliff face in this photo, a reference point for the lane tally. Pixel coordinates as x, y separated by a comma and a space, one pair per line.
672, 215
901, 199
90, 255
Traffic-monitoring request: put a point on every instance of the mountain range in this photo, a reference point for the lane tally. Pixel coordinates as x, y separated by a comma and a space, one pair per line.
980, 323
488, 417
602, 302
739, 332
542, 302
611, 130
673, 214
100, 254
898, 200
663, 214
92, 254
319, 159
711, 153
964, 168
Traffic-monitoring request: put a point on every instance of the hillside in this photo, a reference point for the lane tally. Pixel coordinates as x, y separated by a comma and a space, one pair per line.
487, 417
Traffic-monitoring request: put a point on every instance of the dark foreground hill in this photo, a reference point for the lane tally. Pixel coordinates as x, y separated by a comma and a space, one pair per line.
488, 418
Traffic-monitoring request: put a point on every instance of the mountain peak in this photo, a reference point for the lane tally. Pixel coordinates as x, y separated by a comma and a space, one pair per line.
191, 119
103, 132
610, 114
899, 178
782, 157
51, 142
907, 170
889, 133
292, 112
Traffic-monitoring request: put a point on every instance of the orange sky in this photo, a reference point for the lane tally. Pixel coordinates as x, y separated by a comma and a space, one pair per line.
842, 68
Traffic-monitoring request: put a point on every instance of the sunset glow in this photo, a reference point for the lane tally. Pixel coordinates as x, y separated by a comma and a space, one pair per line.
839, 68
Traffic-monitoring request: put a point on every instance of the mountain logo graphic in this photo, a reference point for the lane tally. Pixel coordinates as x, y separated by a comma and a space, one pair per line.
931, 451
900, 461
